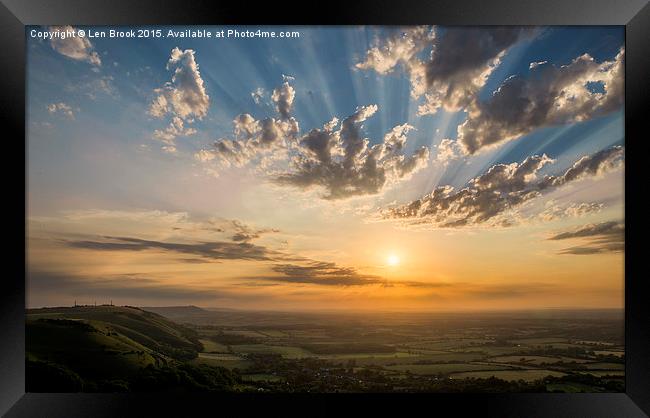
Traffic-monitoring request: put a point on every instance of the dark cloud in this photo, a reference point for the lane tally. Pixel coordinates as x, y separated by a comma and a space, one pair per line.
459, 63
322, 273
504, 187
341, 162
549, 96
604, 229
283, 99
210, 250
244, 233
602, 237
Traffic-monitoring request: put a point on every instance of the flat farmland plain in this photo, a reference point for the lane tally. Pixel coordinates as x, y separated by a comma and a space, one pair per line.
554, 350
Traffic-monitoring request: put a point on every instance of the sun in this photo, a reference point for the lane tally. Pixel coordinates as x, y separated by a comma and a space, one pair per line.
392, 260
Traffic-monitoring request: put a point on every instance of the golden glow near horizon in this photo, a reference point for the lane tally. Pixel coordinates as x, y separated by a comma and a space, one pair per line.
145, 257
330, 174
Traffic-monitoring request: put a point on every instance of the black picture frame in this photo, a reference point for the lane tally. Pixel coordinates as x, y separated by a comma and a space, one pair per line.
633, 14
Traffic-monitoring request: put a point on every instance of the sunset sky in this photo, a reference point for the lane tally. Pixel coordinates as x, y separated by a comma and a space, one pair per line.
352, 168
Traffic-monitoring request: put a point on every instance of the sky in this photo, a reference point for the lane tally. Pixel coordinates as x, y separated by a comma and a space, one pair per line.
346, 168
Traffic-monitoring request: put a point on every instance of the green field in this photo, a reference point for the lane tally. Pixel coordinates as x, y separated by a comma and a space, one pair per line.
284, 351
605, 366
444, 368
539, 341
535, 360
246, 333
261, 377
526, 375
490, 350
602, 373
219, 356
210, 346
620, 353
229, 362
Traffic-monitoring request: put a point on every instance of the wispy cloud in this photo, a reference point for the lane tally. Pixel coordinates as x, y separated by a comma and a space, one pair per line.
74, 47
604, 237
62, 108
322, 273
210, 250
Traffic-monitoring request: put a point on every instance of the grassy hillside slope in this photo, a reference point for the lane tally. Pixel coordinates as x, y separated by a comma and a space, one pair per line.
109, 348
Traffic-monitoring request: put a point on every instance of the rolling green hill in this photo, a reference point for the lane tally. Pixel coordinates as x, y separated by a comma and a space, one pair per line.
128, 325
111, 345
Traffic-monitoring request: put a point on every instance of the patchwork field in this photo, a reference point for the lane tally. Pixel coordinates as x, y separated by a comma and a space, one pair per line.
413, 348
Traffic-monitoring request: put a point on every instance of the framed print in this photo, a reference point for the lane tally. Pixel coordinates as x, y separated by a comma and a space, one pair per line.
382, 208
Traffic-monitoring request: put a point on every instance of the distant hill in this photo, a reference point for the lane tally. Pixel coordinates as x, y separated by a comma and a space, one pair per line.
175, 312
106, 341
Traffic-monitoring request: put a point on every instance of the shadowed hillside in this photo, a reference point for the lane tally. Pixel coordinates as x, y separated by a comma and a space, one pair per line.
106, 348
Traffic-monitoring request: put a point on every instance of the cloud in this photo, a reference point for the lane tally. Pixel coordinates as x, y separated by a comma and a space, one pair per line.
185, 95
549, 96
448, 151
175, 129
218, 250
534, 65
321, 273
572, 210
244, 233
154, 229
74, 47
308, 271
258, 95
184, 98
459, 63
398, 49
335, 158
102, 85
341, 162
492, 198
256, 139
602, 237
283, 99
462, 59
62, 108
